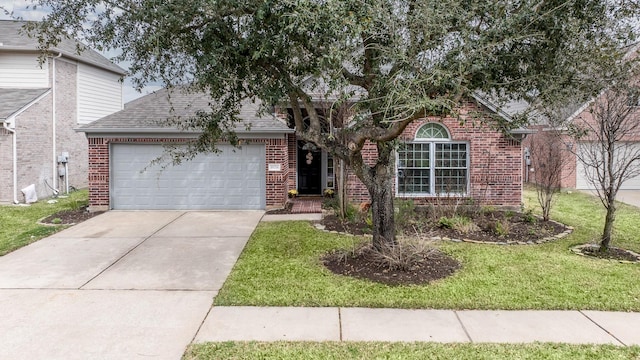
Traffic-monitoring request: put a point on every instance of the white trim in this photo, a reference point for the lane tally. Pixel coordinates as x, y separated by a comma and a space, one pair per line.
169, 133
14, 145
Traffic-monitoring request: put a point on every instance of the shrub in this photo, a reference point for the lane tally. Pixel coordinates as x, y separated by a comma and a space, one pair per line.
529, 217
461, 224
465, 225
502, 228
404, 212
401, 256
330, 203
445, 222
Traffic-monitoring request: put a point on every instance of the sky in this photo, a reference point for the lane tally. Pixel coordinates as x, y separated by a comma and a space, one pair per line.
21, 8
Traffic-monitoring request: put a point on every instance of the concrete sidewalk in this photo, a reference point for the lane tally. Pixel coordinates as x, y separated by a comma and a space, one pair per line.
393, 325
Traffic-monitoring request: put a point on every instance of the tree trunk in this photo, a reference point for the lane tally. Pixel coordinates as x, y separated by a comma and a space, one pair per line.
382, 211
341, 182
608, 227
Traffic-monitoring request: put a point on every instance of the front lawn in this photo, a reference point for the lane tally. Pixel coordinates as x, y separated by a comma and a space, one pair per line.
281, 267
19, 224
370, 350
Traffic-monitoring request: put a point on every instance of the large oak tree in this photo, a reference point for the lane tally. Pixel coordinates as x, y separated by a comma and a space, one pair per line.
390, 62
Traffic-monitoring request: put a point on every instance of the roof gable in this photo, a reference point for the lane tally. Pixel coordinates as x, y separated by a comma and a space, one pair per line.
14, 38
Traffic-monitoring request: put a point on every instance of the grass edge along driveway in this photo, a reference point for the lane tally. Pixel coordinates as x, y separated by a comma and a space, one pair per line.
19, 223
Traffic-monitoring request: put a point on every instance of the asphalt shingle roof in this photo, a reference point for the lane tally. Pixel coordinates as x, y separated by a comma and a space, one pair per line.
12, 37
12, 100
150, 113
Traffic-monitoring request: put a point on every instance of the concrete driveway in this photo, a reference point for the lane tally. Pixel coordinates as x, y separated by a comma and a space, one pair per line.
630, 197
123, 285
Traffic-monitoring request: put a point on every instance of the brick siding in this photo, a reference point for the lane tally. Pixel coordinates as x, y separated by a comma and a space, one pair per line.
495, 162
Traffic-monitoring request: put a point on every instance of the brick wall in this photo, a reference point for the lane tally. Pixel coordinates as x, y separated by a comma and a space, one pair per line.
276, 152
68, 140
277, 181
35, 148
292, 144
495, 162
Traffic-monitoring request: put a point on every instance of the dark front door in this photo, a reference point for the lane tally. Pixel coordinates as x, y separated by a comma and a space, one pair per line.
309, 169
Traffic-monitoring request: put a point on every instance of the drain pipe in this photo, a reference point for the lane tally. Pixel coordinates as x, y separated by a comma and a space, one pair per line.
54, 173
15, 161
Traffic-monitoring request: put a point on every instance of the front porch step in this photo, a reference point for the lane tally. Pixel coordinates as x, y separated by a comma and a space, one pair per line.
306, 205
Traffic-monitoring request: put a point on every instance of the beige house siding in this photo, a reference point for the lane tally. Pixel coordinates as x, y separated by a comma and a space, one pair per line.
22, 70
99, 93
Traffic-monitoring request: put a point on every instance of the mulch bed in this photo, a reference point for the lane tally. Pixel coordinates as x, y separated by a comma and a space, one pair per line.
70, 217
613, 253
432, 265
520, 230
517, 228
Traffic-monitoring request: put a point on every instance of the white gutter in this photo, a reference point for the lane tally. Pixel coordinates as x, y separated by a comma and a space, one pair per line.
15, 160
54, 173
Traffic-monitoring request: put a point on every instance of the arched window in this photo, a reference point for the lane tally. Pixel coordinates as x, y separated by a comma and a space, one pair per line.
432, 131
432, 164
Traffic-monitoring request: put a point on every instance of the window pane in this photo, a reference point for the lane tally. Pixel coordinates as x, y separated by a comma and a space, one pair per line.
451, 181
451, 168
330, 169
451, 155
413, 168
412, 181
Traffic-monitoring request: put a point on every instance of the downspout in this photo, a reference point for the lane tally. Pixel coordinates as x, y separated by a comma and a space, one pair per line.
54, 173
15, 161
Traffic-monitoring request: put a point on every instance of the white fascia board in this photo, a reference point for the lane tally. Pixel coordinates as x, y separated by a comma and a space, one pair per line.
93, 133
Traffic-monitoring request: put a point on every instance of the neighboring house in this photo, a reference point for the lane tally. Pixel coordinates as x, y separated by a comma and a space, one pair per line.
442, 158
41, 105
573, 174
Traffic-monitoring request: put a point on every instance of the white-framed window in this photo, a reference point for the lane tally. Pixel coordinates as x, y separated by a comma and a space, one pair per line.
330, 172
432, 164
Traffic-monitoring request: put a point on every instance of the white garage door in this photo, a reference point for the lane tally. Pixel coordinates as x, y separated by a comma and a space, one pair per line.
582, 182
232, 179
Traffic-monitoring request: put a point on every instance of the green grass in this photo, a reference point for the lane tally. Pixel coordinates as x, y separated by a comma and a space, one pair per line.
18, 224
371, 350
280, 266
586, 214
